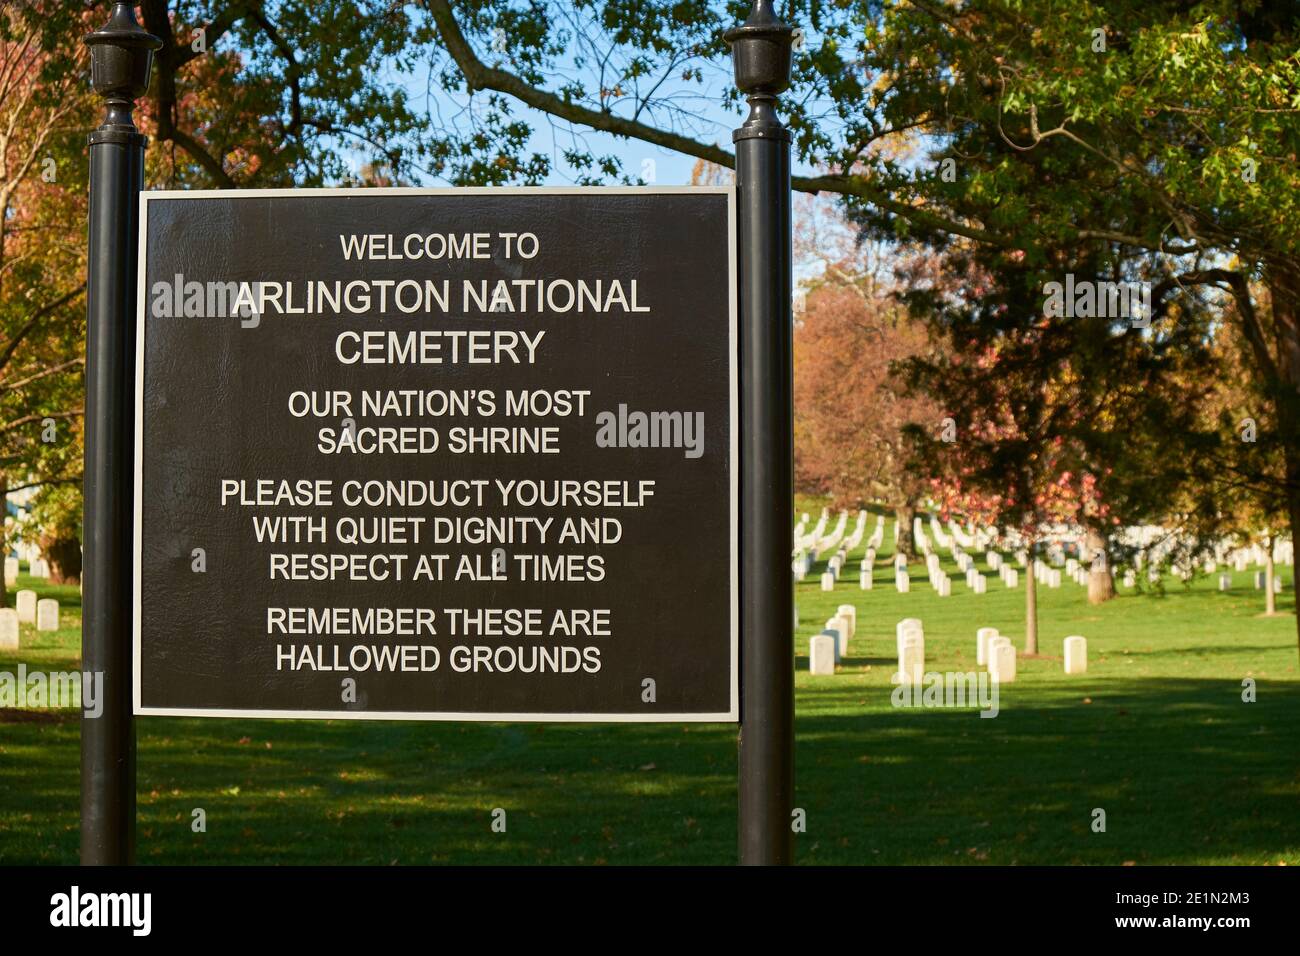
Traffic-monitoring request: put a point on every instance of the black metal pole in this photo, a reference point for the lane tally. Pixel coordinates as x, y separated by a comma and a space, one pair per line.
761, 50
121, 56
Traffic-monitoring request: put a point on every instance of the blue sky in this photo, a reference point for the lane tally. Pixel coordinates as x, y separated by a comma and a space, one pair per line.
711, 121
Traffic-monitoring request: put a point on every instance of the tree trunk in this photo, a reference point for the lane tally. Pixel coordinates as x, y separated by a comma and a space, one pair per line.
1101, 585
1293, 508
1031, 602
64, 557
1283, 279
1270, 599
904, 515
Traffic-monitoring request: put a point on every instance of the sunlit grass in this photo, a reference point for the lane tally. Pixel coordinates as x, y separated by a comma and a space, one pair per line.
1156, 734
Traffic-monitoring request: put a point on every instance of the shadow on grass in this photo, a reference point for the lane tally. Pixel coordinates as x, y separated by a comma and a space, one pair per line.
1184, 770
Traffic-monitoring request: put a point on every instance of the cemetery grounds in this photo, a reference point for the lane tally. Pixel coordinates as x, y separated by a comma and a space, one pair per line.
1156, 734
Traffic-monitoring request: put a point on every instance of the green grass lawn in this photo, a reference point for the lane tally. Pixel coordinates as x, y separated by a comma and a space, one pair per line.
1156, 734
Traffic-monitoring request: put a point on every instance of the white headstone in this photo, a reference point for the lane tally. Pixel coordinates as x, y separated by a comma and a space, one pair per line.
8, 629
908, 627
864, 579
821, 654
840, 625
851, 612
1003, 670
835, 634
828, 581
982, 637
911, 661
1259, 580
1076, 655
990, 650
11, 571
902, 582
26, 604
47, 614
1225, 582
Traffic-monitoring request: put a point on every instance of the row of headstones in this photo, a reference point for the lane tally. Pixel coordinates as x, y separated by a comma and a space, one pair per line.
998, 654
1046, 575
811, 546
36, 567
803, 565
1078, 569
831, 646
836, 535
801, 533
992, 651
1225, 580
975, 580
819, 541
1238, 557
44, 613
859, 531
801, 529
939, 580
1261, 582
960, 536
1155, 546
1044, 572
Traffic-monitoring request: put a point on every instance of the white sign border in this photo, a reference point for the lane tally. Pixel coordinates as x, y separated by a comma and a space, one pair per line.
730, 716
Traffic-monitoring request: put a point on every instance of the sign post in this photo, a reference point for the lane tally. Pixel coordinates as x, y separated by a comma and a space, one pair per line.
761, 51
121, 56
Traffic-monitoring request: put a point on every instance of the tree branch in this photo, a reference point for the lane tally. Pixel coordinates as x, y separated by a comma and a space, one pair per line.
12, 345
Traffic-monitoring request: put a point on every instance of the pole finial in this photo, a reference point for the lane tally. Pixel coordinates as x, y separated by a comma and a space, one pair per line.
760, 51
121, 56
761, 54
